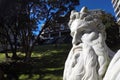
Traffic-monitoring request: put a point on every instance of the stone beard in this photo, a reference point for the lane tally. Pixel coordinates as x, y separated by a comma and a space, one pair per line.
89, 56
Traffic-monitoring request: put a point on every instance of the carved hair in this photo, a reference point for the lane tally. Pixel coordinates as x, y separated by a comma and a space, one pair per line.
89, 16
94, 59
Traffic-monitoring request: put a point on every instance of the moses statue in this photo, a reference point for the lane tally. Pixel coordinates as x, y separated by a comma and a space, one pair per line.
90, 57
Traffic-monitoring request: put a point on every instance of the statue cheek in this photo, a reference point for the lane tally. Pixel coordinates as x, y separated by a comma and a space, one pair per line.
89, 37
85, 38
93, 36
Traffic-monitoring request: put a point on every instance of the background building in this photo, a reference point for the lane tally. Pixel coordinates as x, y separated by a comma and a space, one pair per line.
60, 33
116, 6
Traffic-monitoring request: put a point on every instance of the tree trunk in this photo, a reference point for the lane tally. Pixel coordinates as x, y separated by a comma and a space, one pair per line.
12, 47
6, 55
28, 53
28, 56
14, 56
6, 52
14, 50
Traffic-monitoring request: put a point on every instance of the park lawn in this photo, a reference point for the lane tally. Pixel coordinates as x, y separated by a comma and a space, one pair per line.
47, 63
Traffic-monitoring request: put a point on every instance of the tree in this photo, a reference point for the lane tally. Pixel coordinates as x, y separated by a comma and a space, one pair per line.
9, 25
21, 17
112, 29
48, 11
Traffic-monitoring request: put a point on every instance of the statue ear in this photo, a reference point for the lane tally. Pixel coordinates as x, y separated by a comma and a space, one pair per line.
84, 10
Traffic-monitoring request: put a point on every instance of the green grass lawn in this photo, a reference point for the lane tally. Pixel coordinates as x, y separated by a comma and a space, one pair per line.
47, 63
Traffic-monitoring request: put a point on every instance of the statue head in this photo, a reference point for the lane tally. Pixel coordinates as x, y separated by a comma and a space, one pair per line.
85, 22
89, 56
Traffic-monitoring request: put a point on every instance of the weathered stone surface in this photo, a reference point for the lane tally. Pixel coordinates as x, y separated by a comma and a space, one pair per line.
89, 57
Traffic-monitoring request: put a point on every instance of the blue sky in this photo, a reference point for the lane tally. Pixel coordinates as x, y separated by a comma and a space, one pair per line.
105, 5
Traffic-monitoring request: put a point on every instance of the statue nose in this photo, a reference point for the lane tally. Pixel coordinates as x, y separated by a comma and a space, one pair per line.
76, 39
76, 43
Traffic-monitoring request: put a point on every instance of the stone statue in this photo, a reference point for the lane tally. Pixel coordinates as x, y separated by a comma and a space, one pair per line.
89, 57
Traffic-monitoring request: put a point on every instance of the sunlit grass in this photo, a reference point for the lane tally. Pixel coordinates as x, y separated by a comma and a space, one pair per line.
27, 77
36, 55
49, 65
52, 77
23, 77
2, 57
38, 77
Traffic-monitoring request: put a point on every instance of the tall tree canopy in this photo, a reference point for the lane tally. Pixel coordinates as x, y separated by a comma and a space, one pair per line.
19, 20
112, 29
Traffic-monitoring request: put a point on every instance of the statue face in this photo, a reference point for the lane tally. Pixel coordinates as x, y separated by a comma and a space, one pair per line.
82, 34
77, 34
84, 29
85, 26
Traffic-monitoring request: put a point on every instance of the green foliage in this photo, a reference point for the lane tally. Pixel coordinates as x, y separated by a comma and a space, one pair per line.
20, 18
112, 29
48, 66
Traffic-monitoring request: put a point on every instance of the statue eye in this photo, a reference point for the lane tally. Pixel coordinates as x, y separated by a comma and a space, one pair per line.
88, 18
83, 16
88, 31
73, 17
83, 31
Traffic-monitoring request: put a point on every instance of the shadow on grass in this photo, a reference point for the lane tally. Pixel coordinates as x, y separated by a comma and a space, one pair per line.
47, 67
